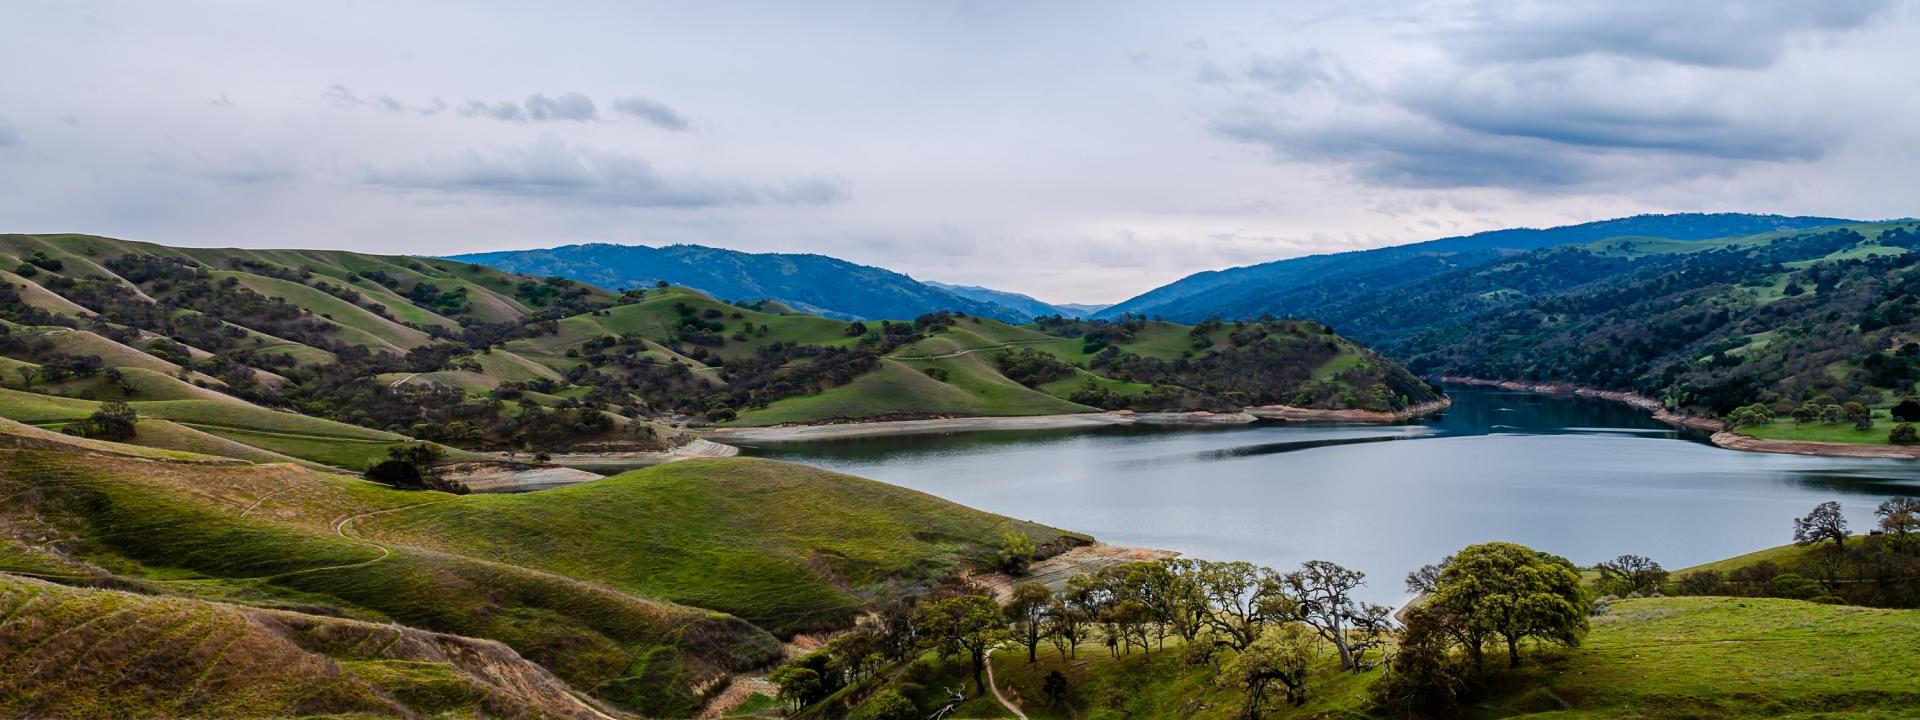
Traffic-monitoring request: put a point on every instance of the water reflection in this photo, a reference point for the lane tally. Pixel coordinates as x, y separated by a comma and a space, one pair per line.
1585, 478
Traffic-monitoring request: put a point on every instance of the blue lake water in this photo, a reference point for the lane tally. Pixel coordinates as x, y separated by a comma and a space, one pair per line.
1587, 479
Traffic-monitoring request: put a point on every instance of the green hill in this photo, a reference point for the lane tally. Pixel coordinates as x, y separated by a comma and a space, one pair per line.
631, 590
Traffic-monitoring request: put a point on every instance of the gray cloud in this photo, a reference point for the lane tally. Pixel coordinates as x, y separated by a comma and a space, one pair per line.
1404, 152
538, 107
8, 136
651, 111
567, 106
552, 170
507, 111
1750, 34
343, 97
1544, 97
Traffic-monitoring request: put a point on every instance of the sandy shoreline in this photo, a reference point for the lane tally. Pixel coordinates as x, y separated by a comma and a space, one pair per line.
1720, 435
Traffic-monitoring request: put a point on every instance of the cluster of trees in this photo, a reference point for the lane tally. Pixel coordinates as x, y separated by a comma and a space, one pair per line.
1030, 367
1261, 631
1879, 569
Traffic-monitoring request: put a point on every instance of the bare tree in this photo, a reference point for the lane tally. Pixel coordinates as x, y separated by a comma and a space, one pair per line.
1826, 522
1630, 574
1323, 600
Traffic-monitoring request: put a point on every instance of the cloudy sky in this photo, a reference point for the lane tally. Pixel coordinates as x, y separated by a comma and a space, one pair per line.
1076, 151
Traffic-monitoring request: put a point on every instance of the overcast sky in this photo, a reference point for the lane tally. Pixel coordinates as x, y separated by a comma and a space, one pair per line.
1078, 152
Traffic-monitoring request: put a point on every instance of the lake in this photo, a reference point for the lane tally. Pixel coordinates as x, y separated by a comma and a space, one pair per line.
1587, 479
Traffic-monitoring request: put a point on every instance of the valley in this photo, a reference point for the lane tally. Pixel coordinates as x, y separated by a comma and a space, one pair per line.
419, 487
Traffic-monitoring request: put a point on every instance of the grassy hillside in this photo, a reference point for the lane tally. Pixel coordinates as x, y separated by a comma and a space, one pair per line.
788, 547
80, 653
631, 589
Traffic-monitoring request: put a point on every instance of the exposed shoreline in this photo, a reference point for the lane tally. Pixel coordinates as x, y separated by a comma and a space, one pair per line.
933, 426
942, 426
1719, 434
1289, 412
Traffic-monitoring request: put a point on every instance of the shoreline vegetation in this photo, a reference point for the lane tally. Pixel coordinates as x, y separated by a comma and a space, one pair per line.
942, 426
1717, 431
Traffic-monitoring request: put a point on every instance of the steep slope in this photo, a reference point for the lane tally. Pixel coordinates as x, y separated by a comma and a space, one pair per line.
1301, 287
814, 284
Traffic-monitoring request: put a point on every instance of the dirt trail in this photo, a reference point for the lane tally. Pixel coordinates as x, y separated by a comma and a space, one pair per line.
995, 685
970, 351
736, 693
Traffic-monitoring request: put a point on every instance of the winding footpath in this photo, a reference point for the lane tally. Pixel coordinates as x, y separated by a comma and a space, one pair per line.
997, 695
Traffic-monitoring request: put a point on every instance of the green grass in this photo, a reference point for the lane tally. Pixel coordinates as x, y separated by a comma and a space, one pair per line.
788, 547
1653, 659
180, 528
300, 436
1160, 684
1700, 657
111, 354
1064, 388
900, 388
510, 367
70, 653
1840, 432
360, 321
654, 319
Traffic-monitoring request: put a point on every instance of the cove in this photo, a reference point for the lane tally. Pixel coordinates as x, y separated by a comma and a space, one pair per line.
1588, 479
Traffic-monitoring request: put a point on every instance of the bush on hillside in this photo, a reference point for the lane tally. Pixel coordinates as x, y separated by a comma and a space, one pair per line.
114, 421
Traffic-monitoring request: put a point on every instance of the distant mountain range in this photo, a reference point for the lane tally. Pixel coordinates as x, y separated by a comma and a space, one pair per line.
1303, 287
1024, 304
814, 284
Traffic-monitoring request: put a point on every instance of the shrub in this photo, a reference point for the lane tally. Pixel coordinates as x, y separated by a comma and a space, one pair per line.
887, 704
1903, 434
1793, 586
114, 421
397, 473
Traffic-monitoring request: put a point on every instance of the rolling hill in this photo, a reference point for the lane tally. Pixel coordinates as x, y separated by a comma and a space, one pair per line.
637, 591
340, 359
814, 284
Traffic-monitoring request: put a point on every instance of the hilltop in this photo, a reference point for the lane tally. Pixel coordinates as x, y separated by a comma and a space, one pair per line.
814, 284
